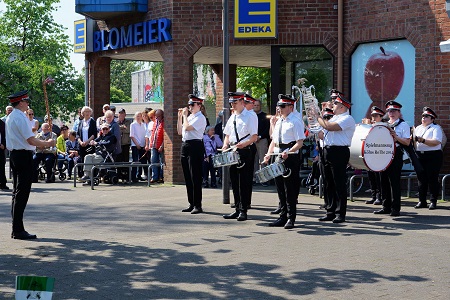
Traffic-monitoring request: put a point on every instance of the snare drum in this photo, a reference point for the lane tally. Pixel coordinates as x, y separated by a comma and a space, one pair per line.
225, 159
270, 172
372, 148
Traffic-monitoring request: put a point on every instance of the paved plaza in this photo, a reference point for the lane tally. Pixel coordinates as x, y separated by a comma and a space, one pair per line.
133, 242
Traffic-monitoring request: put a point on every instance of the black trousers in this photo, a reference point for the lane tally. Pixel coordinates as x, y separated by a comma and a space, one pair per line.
390, 182
242, 180
288, 188
22, 169
192, 153
431, 162
253, 151
375, 184
2, 167
335, 179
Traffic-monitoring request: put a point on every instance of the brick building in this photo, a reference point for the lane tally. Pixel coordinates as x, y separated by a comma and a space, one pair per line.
347, 30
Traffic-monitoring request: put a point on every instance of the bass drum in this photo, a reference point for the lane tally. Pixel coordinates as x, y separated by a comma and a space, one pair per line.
372, 148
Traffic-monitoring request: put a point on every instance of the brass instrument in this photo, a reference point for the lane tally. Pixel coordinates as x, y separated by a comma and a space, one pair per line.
311, 104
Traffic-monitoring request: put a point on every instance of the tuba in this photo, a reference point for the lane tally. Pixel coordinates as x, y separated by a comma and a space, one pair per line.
311, 104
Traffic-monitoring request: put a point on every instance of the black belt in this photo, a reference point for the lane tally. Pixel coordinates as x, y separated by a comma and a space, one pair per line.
188, 141
429, 152
288, 145
331, 147
22, 150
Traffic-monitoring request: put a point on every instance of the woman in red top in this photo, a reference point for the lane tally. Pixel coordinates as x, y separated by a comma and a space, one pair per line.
157, 147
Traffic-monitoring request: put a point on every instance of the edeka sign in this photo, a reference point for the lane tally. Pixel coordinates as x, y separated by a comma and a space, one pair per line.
149, 32
255, 18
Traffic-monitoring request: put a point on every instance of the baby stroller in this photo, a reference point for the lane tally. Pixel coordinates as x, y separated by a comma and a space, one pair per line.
105, 174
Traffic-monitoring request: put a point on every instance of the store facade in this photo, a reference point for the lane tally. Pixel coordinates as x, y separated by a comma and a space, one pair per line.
337, 39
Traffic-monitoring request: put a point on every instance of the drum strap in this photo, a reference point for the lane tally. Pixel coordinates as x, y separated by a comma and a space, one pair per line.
279, 132
236, 133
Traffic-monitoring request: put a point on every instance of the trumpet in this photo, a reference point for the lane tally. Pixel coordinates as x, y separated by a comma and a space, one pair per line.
312, 109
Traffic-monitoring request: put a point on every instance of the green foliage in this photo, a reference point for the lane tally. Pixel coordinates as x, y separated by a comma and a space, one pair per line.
255, 81
157, 71
121, 75
118, 96
33, 47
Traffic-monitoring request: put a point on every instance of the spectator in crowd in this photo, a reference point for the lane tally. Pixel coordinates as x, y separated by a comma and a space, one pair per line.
55, 128
107, 144
212, 142
100, 120
77, 120
34, 124
218, 129
124, 125
3, 185
157, 146
148, 116
72, 148
113, 109
45, 154
8, 110
87, 131
115, 130
137, 136
61, 149
262, 143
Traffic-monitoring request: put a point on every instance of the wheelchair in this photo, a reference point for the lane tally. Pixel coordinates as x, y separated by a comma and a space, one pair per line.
105, 174
42, 173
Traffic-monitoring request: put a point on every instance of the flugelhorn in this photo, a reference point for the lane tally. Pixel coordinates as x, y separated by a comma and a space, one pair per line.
311, 104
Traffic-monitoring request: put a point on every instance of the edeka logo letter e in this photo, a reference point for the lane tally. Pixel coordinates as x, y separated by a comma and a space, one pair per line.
254, 13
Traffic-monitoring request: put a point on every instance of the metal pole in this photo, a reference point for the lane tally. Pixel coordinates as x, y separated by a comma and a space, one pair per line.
86, 82
226, 85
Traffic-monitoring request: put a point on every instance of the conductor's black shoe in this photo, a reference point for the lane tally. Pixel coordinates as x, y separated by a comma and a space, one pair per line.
242, 216
370, 201
339, 219
382, 211
327, 218
395, 213
378, 202
289, 224
421, 205
188, 209
23, 235
276, 211
233, 215
280, 222
197, 210
4, 187
432, 205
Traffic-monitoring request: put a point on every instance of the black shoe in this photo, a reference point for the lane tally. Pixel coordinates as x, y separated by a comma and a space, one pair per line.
280, 222
383, 211
233, 205
4, 188
370, 201
276, 211
233, 215
327, 218
23, 235
339, 219
264, 184
188, 209
197, 210
378, 202
289, 224
242, 216
432, 206
421, 205
214, 186
395, 213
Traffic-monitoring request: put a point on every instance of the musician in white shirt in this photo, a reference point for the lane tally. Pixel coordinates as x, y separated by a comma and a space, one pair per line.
428, 139
240, 132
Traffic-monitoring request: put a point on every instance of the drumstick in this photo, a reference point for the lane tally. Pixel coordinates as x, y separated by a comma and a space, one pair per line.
282, 153
228, 149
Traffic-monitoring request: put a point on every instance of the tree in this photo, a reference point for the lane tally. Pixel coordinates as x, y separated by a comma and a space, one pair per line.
121, 75
255, 81
118, 96
32, 47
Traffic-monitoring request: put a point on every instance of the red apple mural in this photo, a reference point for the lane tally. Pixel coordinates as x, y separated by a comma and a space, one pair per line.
383, 77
